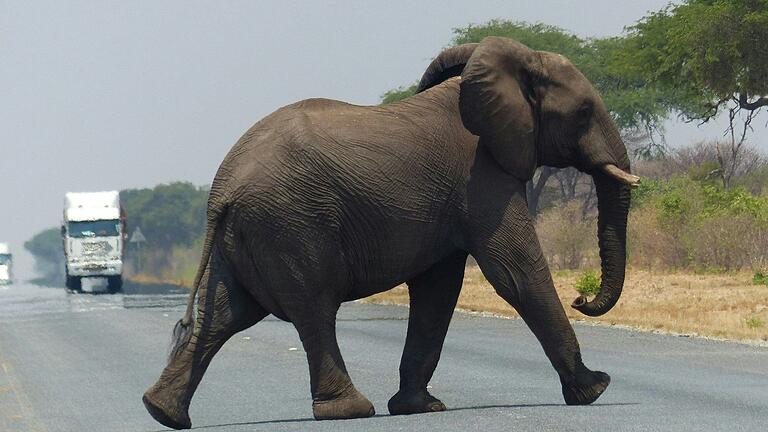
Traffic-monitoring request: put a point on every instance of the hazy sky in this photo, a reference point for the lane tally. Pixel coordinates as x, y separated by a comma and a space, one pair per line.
103, 95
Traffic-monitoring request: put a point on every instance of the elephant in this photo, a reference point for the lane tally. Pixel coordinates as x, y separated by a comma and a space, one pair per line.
324, 202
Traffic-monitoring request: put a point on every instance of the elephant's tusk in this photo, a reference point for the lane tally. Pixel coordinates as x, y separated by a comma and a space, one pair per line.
621, 175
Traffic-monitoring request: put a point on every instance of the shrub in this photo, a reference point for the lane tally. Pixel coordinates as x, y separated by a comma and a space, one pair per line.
754, 322
650, 246
673, 223
760, 278
568, 239
698, 224
724, 242
588, 283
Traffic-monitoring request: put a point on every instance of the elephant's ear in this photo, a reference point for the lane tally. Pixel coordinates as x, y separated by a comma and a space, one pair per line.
497, 102
447, 64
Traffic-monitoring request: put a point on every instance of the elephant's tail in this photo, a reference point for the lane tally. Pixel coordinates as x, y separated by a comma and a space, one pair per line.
182, 331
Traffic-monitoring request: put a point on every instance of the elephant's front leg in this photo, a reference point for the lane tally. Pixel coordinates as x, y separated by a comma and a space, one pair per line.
433, 297
508, 252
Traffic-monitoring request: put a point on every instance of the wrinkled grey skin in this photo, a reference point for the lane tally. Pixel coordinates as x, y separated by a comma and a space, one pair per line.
324, 202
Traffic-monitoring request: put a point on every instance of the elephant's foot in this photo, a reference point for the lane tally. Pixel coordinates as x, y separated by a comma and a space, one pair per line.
585, 387
414, 403
175, 419
349, 406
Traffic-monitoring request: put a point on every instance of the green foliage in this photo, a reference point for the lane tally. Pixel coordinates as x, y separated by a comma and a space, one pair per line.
733, 202
647, 189
760, 278
398, 94
538, 36
675, 207
631, 99
588, 283
46, 244
686, 58
684, 198
702, 51
715, 229
756, 182
169, 214
754, 322
47, 249
703, 173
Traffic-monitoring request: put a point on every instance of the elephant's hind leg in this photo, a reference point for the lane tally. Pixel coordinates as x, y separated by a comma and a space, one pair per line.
224, 308
333, 394
433, 297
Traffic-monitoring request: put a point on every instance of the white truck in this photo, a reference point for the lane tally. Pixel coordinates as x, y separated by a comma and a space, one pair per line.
94, 236
6, 264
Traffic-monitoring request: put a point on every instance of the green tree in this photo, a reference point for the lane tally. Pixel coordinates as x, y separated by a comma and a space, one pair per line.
47, 249
168, 214
539, 36
706, 57
398, 94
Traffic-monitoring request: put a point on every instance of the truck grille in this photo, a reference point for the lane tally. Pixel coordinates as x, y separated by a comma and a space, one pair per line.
96, 248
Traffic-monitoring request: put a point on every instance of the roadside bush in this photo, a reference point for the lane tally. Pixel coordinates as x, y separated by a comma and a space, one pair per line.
760, 278
681, 222
754, 322
723, 242
673, 224
650, 246
588, 283
568, 239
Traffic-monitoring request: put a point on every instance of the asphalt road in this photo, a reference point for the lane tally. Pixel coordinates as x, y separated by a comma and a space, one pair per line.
80, 362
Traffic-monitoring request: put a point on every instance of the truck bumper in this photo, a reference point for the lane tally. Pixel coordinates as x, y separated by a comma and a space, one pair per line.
95, 268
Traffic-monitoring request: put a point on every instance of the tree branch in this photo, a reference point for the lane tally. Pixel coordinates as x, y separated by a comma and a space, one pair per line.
713, 109
757, 103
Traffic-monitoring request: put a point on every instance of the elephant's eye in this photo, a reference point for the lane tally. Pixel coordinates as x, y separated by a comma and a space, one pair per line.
584, 113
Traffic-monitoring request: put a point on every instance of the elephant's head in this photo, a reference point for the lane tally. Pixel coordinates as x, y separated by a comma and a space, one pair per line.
533, 108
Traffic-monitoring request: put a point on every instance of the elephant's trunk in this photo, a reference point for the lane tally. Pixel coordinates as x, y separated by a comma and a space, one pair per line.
613, 196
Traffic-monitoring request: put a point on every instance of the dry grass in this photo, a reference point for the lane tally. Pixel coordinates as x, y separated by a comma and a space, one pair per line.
722, 305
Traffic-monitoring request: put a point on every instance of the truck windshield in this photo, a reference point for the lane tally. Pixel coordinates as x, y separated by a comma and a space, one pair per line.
100, 228
5, 259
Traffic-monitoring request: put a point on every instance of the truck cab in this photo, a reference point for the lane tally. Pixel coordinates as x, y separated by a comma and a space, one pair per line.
93, 235
6, 264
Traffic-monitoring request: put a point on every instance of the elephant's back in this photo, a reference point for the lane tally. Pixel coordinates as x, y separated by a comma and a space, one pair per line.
277, 177
322, 147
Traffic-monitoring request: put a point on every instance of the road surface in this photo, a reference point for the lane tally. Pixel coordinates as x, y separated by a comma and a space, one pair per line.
80, 362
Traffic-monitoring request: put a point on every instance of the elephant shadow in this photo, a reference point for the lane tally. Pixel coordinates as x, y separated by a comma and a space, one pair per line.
541, 405
466, 408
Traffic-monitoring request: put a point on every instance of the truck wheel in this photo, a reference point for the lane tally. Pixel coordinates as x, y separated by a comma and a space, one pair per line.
74, 283
114, 284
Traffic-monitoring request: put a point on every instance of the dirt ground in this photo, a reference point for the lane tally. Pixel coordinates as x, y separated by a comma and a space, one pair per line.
721, 305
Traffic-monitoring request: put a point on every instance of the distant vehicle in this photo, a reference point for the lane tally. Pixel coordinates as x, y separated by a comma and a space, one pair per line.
93, 234
6, 265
